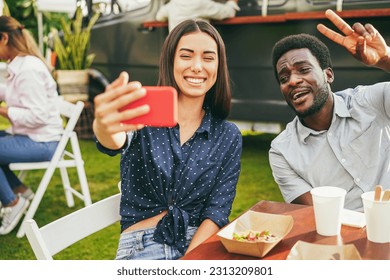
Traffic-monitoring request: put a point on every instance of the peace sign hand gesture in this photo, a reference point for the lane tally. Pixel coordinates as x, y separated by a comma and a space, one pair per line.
364, 42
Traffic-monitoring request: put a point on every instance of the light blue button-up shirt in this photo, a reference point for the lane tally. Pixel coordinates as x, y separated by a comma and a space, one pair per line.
353, 154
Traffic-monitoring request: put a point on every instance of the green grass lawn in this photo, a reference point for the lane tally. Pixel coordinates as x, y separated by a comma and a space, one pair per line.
255, 183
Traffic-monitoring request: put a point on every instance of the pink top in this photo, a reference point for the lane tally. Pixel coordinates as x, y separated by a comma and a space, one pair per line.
31, 95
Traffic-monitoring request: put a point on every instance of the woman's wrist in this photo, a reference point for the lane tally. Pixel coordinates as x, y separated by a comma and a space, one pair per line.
109, 141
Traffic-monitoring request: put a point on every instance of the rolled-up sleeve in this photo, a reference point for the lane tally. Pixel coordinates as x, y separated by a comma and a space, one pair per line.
291, 185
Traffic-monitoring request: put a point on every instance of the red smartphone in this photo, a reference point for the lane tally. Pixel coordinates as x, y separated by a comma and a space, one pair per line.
162, 101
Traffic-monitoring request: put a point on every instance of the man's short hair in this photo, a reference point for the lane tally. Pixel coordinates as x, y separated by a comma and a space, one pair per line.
301, 41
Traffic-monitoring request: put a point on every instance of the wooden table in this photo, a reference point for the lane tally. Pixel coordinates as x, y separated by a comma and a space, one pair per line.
304, 229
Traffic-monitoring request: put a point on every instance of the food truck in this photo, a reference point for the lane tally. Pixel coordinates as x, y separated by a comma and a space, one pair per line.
128, 38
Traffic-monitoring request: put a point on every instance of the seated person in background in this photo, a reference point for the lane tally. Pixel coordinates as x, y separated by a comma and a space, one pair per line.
30, 95
175, 11
178, 183
340, 139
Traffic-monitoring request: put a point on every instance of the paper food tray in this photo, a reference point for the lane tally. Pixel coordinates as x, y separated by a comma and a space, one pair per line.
309, 251
279, 225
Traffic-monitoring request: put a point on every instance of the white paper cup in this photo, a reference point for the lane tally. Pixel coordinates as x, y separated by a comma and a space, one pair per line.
377, 215
328, 204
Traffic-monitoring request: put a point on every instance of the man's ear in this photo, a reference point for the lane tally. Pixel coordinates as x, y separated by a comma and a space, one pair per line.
329, 75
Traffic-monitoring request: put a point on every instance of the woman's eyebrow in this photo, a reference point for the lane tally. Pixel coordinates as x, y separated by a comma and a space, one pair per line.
208, 52
185, 49
192, 51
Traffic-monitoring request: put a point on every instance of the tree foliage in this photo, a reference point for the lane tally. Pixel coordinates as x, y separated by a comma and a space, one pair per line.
25, 11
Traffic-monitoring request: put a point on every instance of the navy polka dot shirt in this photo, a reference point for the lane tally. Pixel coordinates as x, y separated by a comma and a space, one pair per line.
194, 182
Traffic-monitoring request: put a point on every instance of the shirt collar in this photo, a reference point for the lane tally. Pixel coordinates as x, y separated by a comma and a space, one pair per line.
339, 108
304, 131
205, 125
15, 65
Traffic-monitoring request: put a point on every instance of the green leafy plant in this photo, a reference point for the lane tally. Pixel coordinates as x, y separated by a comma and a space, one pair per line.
72, 47
24, 11
5, 10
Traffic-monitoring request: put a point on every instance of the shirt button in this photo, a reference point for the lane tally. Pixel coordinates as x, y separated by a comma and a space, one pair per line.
170, 207
187, 143
357, 180
330, 134
343, 160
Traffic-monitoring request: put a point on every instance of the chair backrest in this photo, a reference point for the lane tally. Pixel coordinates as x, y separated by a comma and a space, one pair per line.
60, 234
71, 111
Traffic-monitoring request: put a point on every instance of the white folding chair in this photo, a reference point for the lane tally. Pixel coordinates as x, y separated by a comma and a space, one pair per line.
61, 159
60, 234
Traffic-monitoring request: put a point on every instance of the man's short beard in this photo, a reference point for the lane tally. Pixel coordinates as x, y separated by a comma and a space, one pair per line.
318, 103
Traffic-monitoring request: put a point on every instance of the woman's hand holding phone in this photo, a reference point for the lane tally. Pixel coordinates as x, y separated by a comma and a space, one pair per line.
162, 101
109, 125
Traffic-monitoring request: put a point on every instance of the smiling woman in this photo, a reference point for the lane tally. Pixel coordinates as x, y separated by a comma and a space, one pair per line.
196, 64
195, 72
182, 190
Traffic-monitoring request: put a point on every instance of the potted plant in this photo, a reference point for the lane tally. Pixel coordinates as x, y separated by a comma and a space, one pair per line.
72, 57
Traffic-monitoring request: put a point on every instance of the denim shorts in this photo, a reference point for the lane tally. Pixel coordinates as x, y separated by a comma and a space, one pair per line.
139, 245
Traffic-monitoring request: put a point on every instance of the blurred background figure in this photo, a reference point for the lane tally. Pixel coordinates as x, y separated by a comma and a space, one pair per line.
176, 11
30, 105
130, 5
